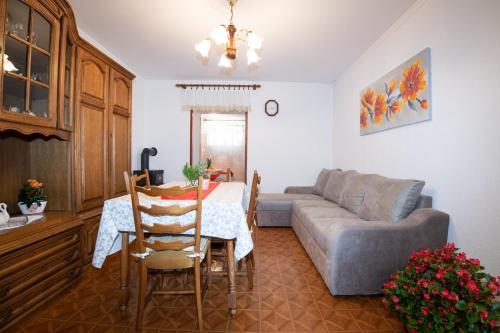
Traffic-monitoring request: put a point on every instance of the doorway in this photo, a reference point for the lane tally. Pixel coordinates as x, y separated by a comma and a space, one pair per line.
221, 137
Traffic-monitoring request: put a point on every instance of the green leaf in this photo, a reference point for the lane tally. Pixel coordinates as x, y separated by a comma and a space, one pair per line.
461, 305
472, 317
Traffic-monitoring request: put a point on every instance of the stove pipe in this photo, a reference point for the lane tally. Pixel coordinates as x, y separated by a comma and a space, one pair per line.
146, 152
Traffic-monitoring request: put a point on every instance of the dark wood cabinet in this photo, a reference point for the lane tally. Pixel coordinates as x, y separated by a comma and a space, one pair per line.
66, 79
30, 56
119, 129
103, 138
89, 237
37, 262
91, 153
65, 118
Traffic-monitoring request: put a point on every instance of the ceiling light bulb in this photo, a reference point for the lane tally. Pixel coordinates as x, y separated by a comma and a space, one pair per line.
219, 35
252, 56
8, 66
225, 62
203, 47
254, 41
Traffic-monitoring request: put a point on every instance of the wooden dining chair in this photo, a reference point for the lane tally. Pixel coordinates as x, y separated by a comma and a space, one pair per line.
251, 222
168, 248
143, 179
227, 175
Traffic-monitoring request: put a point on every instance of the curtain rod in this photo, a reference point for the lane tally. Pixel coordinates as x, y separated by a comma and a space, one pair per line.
229, 86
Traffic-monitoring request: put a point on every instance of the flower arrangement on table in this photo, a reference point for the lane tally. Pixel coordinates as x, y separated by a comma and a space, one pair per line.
193, 172
443, 291
32, 198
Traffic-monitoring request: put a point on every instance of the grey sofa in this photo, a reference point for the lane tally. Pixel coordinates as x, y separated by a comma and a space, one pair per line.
357, 228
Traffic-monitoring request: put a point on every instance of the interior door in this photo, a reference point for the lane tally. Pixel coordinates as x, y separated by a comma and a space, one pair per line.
222, 138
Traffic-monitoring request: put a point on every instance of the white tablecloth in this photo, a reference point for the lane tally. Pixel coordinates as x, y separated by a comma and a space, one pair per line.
223, 216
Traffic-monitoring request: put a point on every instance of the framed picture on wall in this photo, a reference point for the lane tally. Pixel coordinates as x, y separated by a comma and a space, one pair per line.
401, 97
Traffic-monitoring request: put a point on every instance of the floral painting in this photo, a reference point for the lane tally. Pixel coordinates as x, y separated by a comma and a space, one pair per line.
401, 97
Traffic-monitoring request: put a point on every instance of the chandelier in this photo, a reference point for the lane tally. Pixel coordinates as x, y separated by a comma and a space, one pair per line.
228, 35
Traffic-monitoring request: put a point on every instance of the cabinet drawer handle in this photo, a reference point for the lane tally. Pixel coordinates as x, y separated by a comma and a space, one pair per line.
72, 256
4, 292
76, 272
5, 315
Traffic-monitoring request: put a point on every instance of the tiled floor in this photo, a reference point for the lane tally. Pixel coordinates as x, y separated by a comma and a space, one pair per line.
288, 296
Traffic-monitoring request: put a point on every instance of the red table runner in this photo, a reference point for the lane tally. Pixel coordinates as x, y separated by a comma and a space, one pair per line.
192, 195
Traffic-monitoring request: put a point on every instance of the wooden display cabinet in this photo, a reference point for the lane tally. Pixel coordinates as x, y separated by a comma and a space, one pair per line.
30, 57
65, 119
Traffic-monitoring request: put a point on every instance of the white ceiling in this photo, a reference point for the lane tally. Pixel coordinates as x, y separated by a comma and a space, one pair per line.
304, 40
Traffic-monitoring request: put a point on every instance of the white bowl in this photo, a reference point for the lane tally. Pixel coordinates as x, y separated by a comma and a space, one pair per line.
33, 209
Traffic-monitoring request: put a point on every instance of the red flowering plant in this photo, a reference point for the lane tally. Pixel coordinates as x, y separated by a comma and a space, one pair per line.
443, 291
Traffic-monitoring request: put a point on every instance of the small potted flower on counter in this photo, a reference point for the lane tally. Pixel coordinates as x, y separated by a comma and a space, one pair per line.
32, 197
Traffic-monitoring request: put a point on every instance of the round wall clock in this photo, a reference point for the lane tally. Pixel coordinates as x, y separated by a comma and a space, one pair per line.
272, 108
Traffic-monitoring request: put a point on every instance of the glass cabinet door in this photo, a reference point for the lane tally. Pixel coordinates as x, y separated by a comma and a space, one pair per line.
30, 64
66, 84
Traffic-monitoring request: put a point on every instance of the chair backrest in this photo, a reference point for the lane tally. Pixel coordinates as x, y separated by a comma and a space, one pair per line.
145, 176
159, 211
254, 193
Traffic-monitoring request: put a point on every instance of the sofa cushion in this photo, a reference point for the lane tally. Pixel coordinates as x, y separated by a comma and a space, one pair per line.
389, 199
322, 229
319, 208
335, 184
282, 201
321, 182
353, 194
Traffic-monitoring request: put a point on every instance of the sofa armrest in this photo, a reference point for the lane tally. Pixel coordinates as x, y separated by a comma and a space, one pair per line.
299, 189
366, 253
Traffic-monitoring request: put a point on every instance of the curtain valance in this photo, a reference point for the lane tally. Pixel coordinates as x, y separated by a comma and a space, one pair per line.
216, 100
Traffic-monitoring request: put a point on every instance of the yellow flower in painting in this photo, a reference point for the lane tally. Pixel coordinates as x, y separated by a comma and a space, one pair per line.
395, 107
424, 104
368, 98
413, 81
363, 118
380, 108
392, 85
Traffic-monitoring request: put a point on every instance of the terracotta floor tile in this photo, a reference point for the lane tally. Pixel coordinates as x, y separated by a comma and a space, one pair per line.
180, 319
339, 320
308, 320
245, 321
370, 319
277, 320
289, 295
273, 301
301, 300
215, 320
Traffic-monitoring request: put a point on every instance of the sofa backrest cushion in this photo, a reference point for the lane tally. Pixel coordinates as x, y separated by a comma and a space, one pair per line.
335, 184
321, 182
389, 199
353, 193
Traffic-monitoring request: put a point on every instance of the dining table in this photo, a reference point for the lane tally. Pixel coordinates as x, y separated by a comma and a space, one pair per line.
223, 216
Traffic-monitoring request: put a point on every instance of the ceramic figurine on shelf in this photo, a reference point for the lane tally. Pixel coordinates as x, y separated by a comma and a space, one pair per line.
4, 215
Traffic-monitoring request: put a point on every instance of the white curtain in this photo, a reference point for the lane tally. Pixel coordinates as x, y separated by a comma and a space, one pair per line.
216, 100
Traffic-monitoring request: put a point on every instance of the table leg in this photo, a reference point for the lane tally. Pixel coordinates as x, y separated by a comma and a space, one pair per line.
124, 271
231, 295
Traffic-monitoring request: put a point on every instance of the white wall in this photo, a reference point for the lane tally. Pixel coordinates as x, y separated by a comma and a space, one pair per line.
290, 148
457, 152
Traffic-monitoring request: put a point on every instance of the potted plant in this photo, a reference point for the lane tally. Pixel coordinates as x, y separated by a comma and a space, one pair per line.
443, 291
32, 197
193, 172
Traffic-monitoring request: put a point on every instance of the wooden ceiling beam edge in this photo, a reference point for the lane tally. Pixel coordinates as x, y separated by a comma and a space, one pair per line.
229, 86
